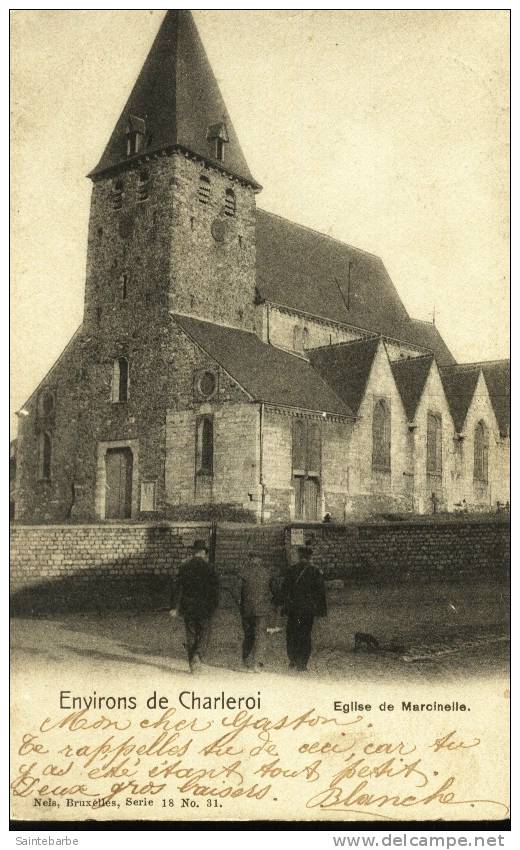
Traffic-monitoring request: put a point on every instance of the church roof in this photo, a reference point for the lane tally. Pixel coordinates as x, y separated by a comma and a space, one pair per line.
410, 377
268, 374
346, 368
498, 379
459, 384
459, 380
177, 100
305, 270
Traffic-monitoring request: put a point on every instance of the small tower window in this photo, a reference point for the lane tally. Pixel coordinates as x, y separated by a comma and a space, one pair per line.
124, 286
143, 185
45, 456
117, 194
135, 134
120, 380
204, 189
298, 339
230, 206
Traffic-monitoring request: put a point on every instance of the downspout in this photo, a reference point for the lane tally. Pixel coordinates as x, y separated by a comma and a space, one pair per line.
262, 485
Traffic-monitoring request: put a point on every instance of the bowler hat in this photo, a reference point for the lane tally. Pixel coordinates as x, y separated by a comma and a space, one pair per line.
200, 546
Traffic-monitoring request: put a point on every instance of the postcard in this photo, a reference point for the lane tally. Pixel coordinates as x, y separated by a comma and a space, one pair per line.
259, 474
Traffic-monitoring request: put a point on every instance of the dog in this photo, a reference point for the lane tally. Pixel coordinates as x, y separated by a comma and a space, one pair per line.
363, 640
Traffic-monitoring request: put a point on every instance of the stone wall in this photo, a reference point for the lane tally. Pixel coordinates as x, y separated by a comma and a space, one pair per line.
420, 550
99, 567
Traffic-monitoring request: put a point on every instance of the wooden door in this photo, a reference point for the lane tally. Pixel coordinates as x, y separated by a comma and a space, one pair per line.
119, 467
306, 491
310, 499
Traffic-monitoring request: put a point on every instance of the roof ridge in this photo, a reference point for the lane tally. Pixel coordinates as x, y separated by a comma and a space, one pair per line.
320, 233
345, 343
175, 313
402, 360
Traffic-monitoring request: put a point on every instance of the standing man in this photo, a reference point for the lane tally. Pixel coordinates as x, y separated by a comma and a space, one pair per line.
195, 595
256, 604
303, 596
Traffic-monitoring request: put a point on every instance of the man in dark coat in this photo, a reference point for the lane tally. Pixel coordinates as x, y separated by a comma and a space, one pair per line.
303, 599
256, 604
195, 594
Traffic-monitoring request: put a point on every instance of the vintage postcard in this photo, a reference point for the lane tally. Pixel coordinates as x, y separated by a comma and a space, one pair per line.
259, 470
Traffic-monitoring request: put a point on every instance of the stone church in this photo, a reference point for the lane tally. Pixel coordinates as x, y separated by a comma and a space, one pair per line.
233, 363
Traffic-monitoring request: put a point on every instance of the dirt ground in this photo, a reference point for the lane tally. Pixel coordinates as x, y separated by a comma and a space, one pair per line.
428, 632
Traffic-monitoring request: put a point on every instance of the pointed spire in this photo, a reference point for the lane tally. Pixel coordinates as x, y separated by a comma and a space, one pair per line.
176, 101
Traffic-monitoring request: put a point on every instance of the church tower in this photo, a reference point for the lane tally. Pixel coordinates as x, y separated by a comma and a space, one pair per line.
172, 225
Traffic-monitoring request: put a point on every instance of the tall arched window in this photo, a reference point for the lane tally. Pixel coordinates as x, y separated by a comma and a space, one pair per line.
45, 456
120, 380
230, 205
481, 452
381, 436
434, 445
305, 338
204, 189
205, 445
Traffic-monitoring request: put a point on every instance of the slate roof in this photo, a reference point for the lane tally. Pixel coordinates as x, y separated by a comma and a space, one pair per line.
177, 96
427, 334
267, 373
459, 384
410, 377
346, 368
300, 268
498, 379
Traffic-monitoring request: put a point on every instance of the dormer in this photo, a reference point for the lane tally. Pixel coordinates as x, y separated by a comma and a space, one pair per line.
135, 135
218, 136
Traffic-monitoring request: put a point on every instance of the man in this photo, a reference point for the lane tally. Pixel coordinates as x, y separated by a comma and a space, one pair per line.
256, 604
303, 598
195, 597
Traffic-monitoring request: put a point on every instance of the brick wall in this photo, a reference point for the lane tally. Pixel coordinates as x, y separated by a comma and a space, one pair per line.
99, 567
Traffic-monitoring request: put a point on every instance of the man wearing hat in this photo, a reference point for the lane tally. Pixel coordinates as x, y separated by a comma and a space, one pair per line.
303, 597
195, 595
256, 604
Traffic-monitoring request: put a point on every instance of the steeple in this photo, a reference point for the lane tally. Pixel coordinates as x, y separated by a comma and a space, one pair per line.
176, 101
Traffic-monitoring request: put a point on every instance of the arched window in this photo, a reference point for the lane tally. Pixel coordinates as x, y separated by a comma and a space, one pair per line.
305, 338
45, 456
230, 206
298, 338
120, 380
381, 436
204, 189
205, 445
434, 445
481, 453
46, 403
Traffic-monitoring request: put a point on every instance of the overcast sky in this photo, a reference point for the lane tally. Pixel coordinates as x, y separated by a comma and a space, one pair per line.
388, 130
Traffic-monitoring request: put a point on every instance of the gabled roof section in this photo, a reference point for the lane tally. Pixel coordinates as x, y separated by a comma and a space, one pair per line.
302, 269
427, 334
410, 377
176, 99
346, 368
459, 384
498, 379
266, 373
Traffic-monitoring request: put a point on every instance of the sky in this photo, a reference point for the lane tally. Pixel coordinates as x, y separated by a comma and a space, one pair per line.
388, 130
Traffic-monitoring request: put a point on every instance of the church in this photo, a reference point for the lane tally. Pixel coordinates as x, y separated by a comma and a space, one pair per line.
234, 364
